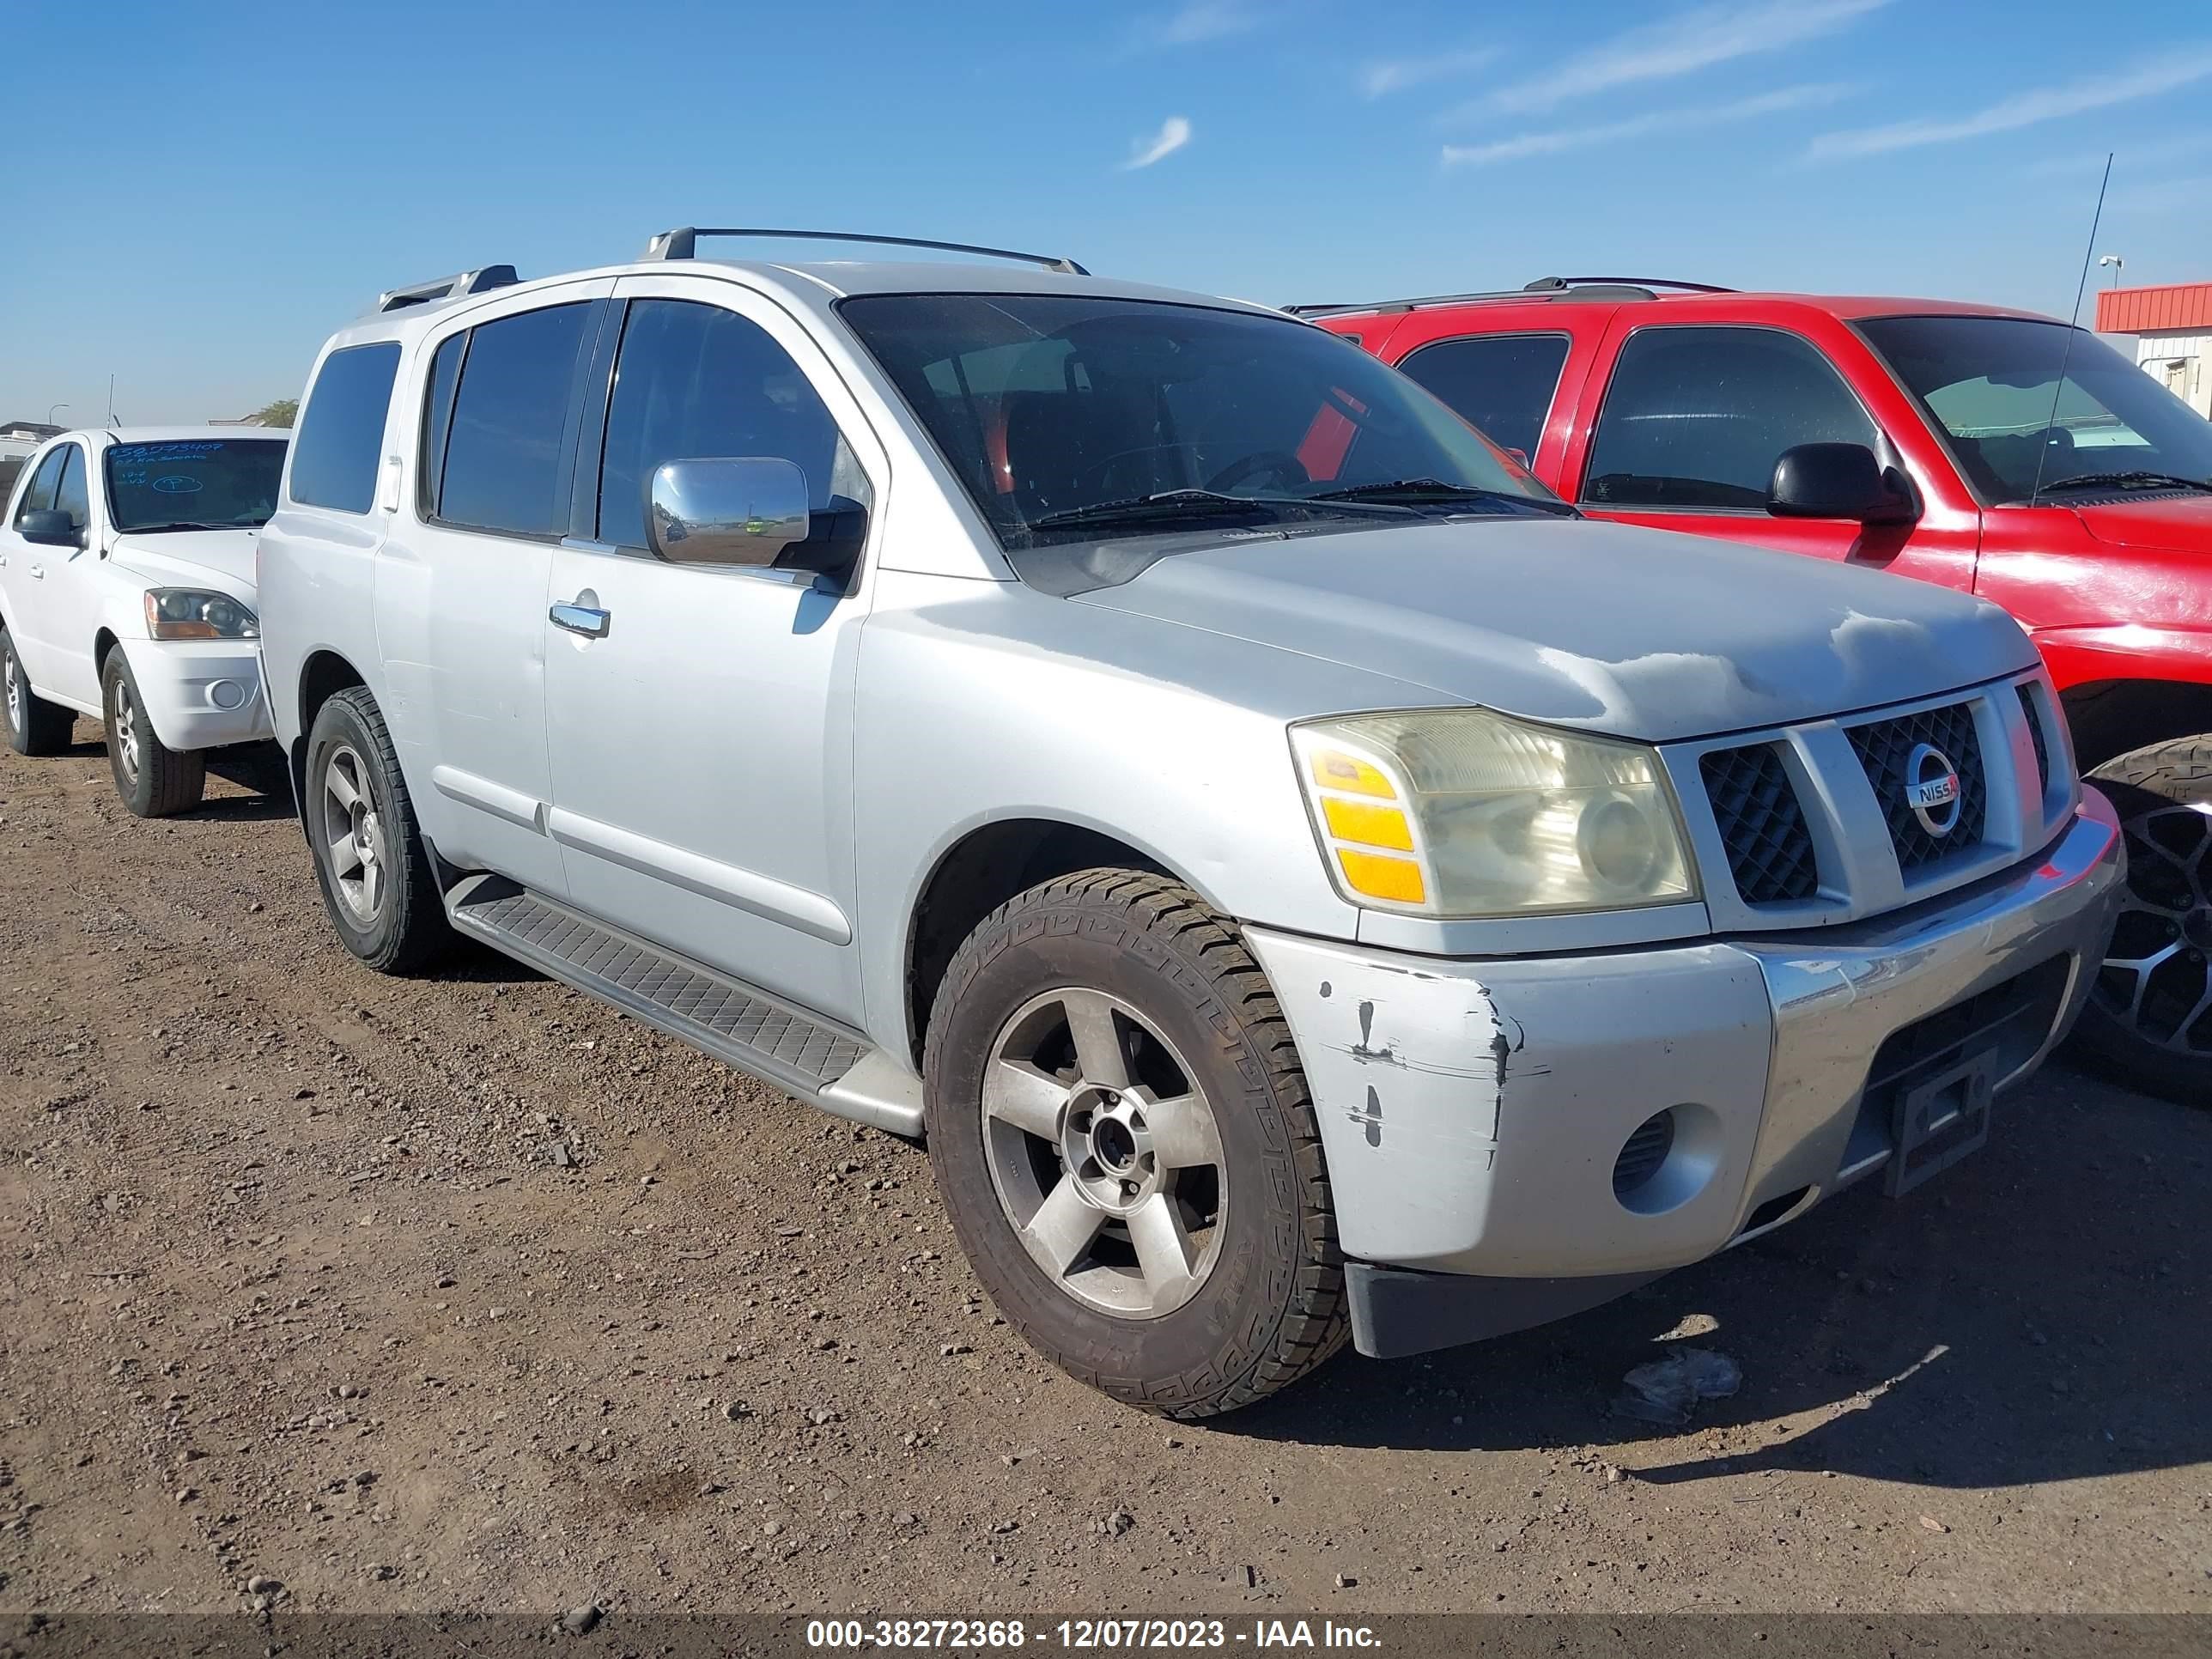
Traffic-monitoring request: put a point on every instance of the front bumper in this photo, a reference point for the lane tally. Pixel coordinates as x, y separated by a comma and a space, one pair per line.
1472, 1113
201, 693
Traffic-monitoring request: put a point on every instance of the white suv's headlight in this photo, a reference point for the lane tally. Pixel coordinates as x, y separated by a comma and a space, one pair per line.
1462, 812
187, 613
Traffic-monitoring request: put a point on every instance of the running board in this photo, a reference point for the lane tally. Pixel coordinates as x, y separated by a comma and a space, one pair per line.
822, 1063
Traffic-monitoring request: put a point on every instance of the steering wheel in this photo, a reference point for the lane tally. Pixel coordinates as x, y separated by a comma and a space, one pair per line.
1263, 463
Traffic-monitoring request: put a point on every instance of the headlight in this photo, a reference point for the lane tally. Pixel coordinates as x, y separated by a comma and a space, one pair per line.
186, 613
1462, 812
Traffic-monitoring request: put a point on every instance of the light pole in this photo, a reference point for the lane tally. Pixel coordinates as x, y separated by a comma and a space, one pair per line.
52, 408
2115, 262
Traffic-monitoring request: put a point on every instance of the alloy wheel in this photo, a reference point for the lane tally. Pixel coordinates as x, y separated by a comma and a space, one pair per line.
1105, 1153
15, 690
353, 835
2157, 975
126, 731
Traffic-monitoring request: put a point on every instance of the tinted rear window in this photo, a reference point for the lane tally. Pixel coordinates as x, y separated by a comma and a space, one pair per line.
340, 437
503, 447
1501, 384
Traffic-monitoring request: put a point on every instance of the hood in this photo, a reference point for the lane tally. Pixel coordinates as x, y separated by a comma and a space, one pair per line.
178, 558
2175, 521
1637, 633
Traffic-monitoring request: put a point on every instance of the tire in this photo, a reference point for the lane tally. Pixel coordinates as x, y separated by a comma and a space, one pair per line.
155, 782
1253, 1298
35, 726
2149, 1021
375, 871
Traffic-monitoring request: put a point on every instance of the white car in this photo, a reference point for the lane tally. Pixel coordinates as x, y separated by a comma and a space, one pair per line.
126, 593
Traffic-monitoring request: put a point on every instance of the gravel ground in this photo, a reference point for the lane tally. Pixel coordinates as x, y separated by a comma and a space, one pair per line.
351, 1293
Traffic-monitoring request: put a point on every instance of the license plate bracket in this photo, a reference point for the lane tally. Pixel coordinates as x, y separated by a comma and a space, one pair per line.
1939, 1121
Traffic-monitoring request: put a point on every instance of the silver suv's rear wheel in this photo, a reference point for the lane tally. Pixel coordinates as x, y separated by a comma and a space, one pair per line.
1123, 1138
356, 850
370, 859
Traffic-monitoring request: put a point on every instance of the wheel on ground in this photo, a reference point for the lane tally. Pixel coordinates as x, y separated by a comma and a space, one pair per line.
155, 782
369, 858
2149, 1016
35, 726
1124, 1141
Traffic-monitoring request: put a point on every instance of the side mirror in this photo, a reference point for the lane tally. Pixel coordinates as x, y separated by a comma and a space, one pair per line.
740, 512
50, 527
1838, 481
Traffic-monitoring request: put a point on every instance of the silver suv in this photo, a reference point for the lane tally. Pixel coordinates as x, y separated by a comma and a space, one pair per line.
1301, 877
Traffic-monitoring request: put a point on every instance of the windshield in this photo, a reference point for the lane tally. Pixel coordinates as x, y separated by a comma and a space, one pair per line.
1073, 417
197, 483
1989, 382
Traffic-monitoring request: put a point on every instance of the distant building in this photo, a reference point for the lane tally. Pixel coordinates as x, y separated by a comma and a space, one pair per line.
32, 433
2173, 326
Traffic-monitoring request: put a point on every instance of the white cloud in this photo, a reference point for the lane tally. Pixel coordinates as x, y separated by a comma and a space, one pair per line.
2023, 109
1679, 46
1199, 20
1556, 140
2127, 158
1174, 134
2162, 196
1395, 75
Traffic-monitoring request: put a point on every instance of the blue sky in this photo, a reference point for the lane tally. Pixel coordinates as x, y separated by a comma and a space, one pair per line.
196, 195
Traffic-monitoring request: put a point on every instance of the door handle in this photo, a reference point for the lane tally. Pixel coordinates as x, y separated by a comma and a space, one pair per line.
583, 619
38, 572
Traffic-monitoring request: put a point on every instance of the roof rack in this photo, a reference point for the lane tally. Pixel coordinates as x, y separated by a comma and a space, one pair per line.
682, 244
1544, 287
448, 288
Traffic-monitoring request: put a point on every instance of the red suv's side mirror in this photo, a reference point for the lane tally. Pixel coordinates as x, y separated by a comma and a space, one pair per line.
1838, 481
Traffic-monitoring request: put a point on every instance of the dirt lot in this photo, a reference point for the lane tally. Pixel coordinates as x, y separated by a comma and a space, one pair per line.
469, 1293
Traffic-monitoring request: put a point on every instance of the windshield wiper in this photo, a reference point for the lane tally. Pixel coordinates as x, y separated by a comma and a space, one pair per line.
1435, 492
1166, 504
179, 524
2137, 480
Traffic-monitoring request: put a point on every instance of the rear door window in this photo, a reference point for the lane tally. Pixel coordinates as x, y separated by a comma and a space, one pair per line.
1501, 384
1696, 418
340, 441
506, 444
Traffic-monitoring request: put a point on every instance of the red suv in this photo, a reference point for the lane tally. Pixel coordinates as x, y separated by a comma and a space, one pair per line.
1993, 451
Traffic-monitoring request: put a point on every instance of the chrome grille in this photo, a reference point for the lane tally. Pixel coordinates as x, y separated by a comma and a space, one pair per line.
1884, 747
1770, 847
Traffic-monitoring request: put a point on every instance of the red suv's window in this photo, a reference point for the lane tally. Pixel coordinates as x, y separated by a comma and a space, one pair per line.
1502, 385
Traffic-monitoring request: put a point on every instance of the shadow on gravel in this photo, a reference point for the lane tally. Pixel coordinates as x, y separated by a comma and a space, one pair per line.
259, 766
2036, 1314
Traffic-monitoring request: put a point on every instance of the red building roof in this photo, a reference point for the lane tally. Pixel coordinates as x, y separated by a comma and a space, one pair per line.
2180, 308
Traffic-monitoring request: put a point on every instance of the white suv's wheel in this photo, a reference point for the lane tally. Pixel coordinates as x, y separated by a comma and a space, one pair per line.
155, 781
1123, 1138
35, 726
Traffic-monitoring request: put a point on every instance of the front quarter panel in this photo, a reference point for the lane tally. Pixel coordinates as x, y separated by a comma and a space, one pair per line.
987, 702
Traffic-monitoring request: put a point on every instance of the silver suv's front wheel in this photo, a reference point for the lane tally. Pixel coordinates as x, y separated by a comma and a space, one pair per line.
1104, 1153
1122, 1135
